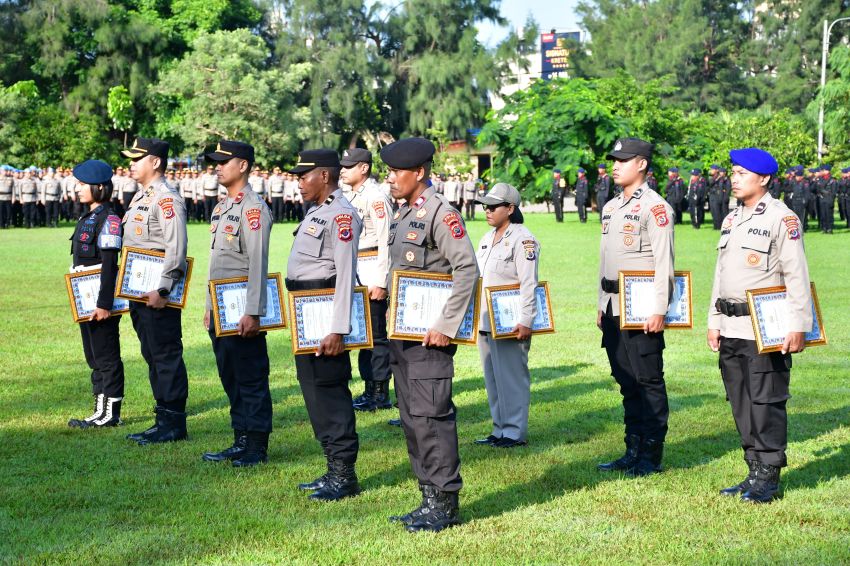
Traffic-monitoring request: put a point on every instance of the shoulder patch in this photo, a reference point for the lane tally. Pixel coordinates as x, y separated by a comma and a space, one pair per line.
660, 214
343, 222
793, 227
452, 220
530, 249
112, 225
167, 206
253, 216
380, 210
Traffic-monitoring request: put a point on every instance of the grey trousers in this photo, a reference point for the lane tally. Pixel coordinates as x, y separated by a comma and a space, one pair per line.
508, 383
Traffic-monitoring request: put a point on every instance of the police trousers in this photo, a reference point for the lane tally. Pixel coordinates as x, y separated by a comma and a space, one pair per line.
508, 384
374, 364
637, 364
243, 367
423, 381
102, 348
757, 387
324, 385
160, 334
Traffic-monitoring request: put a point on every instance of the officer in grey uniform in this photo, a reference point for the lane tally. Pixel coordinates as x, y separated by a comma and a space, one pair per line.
582, 195
470, 192
507, 255
324, 256
51, 194
761, 245
129, 187
7, 188
428, 235
637, 234
156, 220
374, 208
209, 189
276, 191
186, 186
239, 247
28, 191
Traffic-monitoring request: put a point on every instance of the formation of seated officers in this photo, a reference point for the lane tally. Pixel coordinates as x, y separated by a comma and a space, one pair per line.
761, 245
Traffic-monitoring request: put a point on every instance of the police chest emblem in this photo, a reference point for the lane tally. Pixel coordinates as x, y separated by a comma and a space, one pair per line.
138, 218
239, 197
412, 235
753, 259
311, 229
228, 228
419, 214
138, 230
230, 237
84, 237
628, 240
628, 227
409, 256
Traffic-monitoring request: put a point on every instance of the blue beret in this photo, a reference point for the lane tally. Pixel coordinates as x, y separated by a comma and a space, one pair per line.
714, 167
846, 170
93, 172
650, 170
601, 166
581, 170
696, 172
798, 167
825, 167
754, 159
722, 169
814, 169
673, 170
556, 170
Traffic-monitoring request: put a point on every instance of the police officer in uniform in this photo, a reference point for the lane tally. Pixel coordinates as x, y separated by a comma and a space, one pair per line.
470, 192
581, 195
637, 234
827, 191
844, 193
651, 181
96, 242
760, 246
28, 191
602, 188
507, 255
156, 220
675, 193
7, 189
51, 194
428, 235
324, 256
276, 192
186, 186
374, 207
209, 189
241, 226
812, 203
558, 186
715, 197
696, 198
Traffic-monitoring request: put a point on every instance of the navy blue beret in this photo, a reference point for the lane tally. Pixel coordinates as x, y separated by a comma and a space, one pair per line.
825, 167
814, 169
695, 172
581, 170
601, 166
408, 153
714, 166
755, 160
846, 170
93, 172
673, 170
556, 170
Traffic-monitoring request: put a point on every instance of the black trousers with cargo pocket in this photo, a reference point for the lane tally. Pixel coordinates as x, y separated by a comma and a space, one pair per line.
423, 381
757, 386
637, 364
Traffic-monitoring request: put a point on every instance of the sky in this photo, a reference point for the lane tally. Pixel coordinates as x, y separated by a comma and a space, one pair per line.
558, 14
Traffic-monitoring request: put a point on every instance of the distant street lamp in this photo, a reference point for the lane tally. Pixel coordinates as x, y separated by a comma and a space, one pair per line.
827, 27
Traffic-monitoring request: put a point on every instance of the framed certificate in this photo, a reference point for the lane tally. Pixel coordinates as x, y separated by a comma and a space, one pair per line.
228, 304
417, 302
504, 307
311, 313
140, 272
769, 314
83, 288
637, 299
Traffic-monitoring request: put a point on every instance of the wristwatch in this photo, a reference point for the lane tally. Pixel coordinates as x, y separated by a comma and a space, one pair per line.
163, 292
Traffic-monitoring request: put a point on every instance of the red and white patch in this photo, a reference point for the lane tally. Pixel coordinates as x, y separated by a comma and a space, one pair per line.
419, 202
84, 237
380, 210
343, 222
167, 206
412, 235
754, 259
660, 214
793, 227
239, 197
253, 216
452, 220
228, 228
113, 226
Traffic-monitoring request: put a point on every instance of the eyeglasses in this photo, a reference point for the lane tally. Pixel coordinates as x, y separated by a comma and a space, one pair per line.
492, 207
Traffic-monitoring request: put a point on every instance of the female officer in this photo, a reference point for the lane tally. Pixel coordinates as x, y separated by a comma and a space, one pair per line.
96, 243
507, 255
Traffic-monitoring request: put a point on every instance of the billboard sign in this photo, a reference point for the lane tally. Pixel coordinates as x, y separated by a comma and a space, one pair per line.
555, 53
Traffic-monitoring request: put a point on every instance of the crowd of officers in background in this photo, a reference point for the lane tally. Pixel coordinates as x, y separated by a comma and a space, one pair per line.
812, 194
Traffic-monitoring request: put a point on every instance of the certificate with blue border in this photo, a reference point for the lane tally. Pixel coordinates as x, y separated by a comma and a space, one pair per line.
311, 313
417, 302
769, 315
228, 304
140, 272
637, 300
504, 308
83, 289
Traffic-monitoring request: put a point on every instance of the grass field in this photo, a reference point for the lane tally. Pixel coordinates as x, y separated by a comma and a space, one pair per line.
91, 497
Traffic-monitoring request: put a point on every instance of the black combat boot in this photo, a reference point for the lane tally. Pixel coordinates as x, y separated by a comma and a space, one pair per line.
413, 516
744, 485
256, 450
649, 458
628, 460
319, 482
99, 402
111, 415
158, 421
366, 399
171, 426
440, 511
765, 485
234, 452
341, 482
381, 396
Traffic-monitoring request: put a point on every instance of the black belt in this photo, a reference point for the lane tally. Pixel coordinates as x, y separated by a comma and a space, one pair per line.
372, 249
310, 284
610, 285
732, 309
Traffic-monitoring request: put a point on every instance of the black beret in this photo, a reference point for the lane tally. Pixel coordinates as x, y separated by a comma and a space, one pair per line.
93, 172
627, 148
226, 149
309, 159
143, 147
408, 153
354, 156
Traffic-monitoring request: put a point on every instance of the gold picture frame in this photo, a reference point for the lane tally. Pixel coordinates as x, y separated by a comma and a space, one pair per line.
680, 314
275, 317
543, 297
180, 291
758, 298
73, 282
360, 304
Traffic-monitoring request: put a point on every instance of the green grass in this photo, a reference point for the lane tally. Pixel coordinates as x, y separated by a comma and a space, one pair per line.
91, 497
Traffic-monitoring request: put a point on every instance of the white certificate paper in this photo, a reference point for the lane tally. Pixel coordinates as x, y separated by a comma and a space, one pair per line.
234, 304
424, 305
145, 275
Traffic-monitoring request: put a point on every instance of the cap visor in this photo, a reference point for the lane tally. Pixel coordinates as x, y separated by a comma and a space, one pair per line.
620, 155
490, 200
347, 163
216, 156
300, 169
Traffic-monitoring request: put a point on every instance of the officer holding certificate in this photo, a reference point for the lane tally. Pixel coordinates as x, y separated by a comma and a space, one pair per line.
324, 256
637, 234
96, 243
241, 226
507, 254
428, 235
156, 220
761, 245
